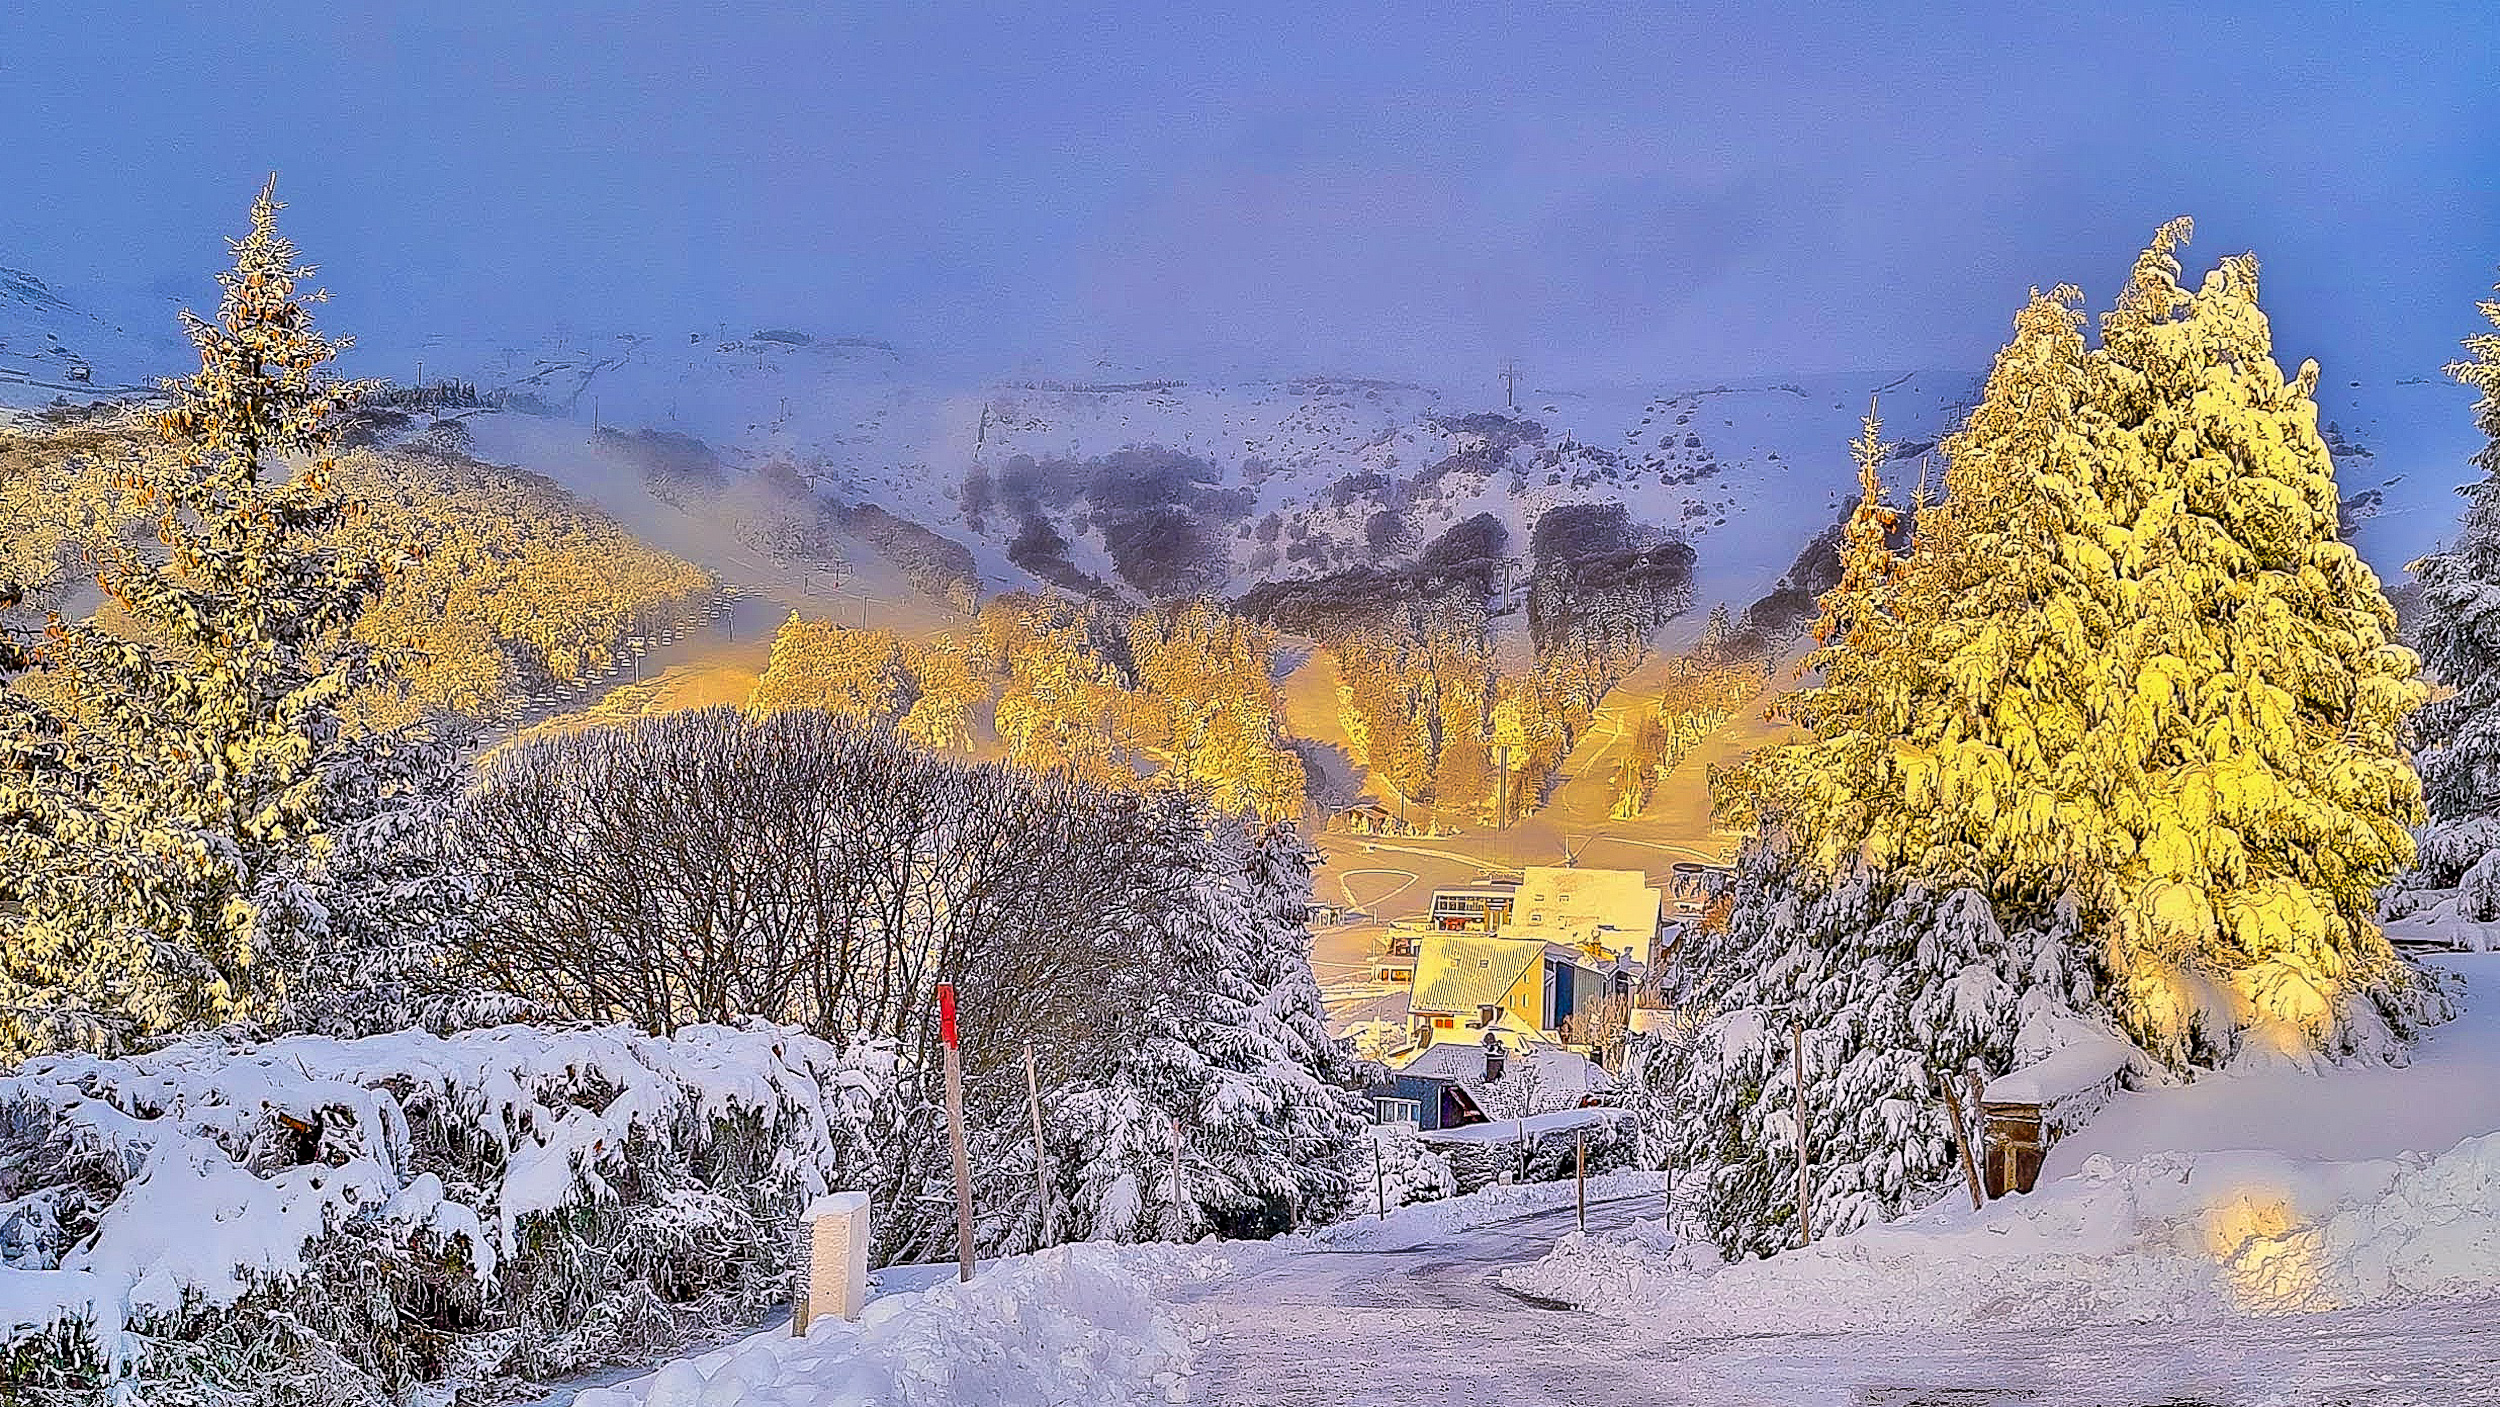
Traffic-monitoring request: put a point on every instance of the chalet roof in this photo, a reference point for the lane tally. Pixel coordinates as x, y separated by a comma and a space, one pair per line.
1561, 898
1558, 1069
1463, 971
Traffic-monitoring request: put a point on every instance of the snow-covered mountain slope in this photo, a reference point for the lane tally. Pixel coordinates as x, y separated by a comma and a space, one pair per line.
55, 345
1156, 486
1266, 479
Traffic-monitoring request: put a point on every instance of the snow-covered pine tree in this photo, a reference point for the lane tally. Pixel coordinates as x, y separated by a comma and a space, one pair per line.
2459, 637
2241, 792
1716, 634
1891, 991
1233, 1060
233, 851
1818, 790
1321, 1119
2128, 700
1891, 974
1148, 1171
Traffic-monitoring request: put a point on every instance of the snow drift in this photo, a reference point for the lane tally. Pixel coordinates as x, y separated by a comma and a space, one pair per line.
2168, 1237
1071, 1325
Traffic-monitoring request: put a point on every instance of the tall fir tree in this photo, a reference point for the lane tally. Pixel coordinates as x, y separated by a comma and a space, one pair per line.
1232, 1070
1321, 1121
2253, 792
231, 850
2118, 738
2459, 636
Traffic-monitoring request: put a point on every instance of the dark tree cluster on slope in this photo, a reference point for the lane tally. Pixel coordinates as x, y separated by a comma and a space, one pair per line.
1460, 568
1164, 515
1780, 616
1595, 586
1042, 549
680, 470
937, 565
707, 866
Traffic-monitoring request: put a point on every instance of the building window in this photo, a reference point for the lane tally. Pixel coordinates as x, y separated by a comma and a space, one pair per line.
1443, 1023
1397, 1111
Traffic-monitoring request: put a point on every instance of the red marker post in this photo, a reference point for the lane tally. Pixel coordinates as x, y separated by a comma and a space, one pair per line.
955, 1128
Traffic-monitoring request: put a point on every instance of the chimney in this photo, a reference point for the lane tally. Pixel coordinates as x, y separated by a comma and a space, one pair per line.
1493, 1056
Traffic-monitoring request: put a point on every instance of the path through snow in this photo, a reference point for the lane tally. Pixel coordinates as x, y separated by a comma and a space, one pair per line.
1421, 1325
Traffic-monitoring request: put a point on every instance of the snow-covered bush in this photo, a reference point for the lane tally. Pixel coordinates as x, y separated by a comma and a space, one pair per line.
314, 1220
1541, 1155
1406, 1170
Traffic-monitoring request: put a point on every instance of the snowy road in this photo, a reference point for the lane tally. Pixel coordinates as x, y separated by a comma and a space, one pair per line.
1421, 1325
1424, 1325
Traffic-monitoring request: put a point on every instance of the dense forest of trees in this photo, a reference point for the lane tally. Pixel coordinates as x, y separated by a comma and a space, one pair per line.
1701, 692
1086, 689
503, 585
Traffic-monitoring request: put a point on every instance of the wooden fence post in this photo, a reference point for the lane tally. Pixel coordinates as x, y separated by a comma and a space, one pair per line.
1979, 1118
1580, 1173
1961, 1140
1805, 1182
1041, 1168
1180, 1214
955, 1130
1380, 1184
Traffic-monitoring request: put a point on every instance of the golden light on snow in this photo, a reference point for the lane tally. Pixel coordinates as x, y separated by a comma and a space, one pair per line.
2267, 1250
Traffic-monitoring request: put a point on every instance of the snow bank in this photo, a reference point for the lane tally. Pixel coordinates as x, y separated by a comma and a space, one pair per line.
1433, 1221
164, 1197
2443, 918
2166, 1238
1072, 1325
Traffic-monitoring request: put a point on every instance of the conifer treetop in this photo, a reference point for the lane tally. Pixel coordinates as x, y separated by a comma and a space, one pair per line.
2128, 670
2480, 369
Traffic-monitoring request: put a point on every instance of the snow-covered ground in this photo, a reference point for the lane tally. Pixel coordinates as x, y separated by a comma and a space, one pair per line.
1072, 1325
2245, 1237
2277, 1235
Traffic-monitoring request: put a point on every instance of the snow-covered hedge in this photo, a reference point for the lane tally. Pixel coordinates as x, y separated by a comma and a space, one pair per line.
1404, 1171
2465, 919
314, 1220
1550, 1152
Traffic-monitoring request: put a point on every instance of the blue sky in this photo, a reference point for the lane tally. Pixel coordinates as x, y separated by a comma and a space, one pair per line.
1617, 192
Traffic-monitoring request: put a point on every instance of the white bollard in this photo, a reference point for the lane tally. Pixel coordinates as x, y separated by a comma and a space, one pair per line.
833, 1269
